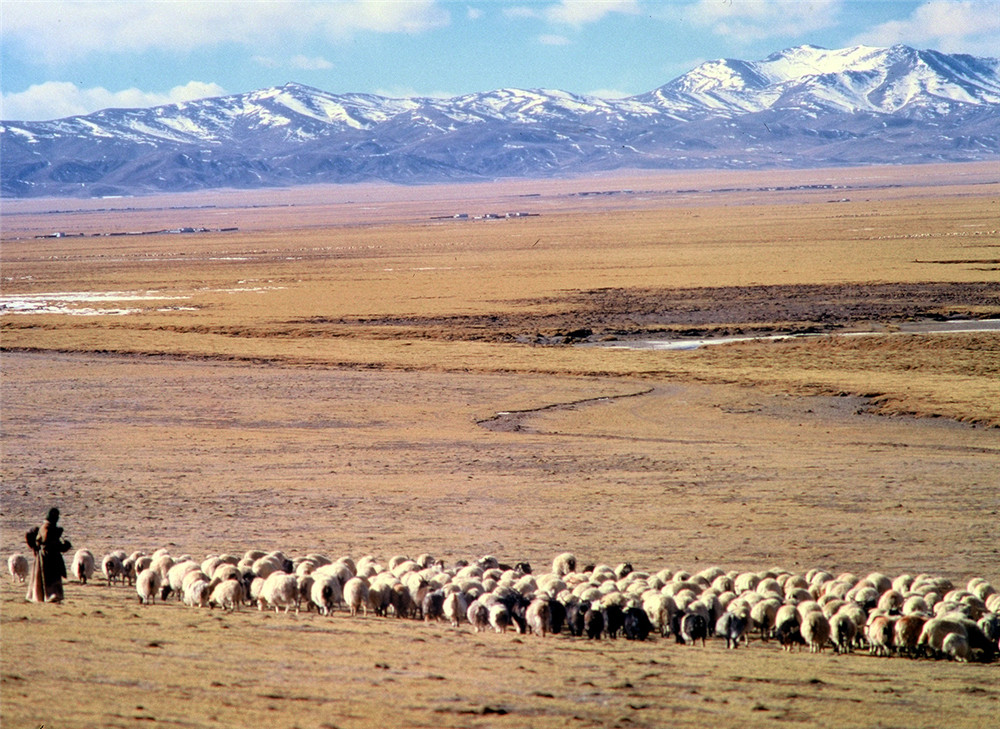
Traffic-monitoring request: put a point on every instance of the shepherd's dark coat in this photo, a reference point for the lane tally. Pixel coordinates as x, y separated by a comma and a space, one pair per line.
49, 569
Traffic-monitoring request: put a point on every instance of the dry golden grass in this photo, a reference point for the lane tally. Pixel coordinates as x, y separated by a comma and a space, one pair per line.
257, 295
327, 379
122, 665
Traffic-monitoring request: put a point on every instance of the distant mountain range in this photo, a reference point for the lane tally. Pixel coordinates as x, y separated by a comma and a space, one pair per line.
802, 107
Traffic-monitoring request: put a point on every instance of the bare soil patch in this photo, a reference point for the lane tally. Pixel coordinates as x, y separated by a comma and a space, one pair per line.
611, 313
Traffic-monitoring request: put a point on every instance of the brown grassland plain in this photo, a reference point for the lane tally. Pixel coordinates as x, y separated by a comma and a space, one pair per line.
346, 374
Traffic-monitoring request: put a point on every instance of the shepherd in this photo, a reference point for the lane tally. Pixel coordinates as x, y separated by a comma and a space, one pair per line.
49, 569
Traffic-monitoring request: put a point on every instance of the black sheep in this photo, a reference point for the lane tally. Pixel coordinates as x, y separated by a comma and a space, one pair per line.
614, 619
788, 634
433, 607
694, 627
593, 622
518, 610
574, 618
557, 616
731, 627
637, 625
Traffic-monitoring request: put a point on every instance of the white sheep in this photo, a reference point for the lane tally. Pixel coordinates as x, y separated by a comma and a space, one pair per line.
325, 593
499, 617
227, 595
762, 616
397, 560
564, 564
417, 586
161, 562
537, 617
835, 588
815, 630
305, 583
831, 605
363, 563
906, 633
305, 567
980, 588
473, 572
147, 584
356, 595
902, 583
267, 565
19, 567
527, 586
83, 565
128, 570
456, 608
196, 593
111, 565
225, 571
956, 646
209, 564
881, 633
142, 561
915, 605
660, 609
256, 585
880, 582
809, 606
318, 559
843, 630
726, 598
937, 629
280, 590
192, 576
478, 616
379, 593
786, 613
745, 582
176, 574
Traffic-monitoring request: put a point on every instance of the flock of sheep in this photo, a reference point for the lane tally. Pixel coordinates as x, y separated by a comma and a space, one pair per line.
913, 616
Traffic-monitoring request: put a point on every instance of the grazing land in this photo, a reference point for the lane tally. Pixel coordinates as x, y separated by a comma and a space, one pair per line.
350, 372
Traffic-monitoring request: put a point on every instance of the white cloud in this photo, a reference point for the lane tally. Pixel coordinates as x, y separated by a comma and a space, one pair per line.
342, 18
63, 32
267, 61
746, 21
952, 26
57, 99
310, 64
474, 13
520, 11
299, 62
553, 40
581, 12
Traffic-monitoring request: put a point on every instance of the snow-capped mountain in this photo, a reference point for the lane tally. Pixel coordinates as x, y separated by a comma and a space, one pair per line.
860, 79
804, 106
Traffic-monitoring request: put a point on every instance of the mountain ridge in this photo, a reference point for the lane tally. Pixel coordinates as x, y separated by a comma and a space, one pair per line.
803, 106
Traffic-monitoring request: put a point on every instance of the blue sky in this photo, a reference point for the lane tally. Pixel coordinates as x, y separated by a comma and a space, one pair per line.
78, 56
